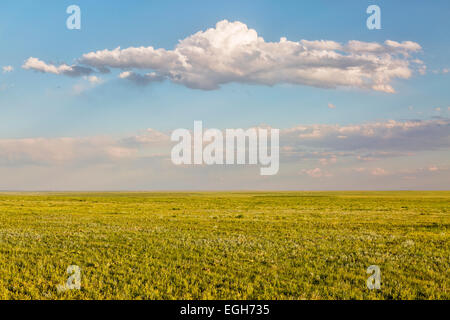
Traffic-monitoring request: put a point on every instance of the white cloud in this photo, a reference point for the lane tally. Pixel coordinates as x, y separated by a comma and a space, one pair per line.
331, 106
7, 69
231, 52
64, 69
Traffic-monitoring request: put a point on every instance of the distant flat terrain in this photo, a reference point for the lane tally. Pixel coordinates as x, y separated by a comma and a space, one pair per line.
229, 245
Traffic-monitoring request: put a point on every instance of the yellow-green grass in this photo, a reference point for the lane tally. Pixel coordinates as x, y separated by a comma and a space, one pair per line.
241, 245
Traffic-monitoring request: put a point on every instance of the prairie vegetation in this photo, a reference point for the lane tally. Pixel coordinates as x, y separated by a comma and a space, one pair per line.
231, 245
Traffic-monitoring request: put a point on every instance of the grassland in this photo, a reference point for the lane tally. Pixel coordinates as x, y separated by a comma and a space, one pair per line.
286, 245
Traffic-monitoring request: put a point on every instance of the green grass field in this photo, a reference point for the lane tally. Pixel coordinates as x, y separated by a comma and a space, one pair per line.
284, 245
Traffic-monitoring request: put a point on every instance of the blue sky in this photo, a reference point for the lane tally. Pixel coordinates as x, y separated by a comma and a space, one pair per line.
51, 106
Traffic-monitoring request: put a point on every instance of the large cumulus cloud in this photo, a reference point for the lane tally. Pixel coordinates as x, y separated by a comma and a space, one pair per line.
232, 52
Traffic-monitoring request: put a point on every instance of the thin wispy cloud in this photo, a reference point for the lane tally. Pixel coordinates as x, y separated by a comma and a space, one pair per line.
316, 173
375, 136
390, 138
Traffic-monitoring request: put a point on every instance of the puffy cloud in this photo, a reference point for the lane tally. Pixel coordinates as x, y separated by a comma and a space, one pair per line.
232, 52
331, 106
40, 66
7, 69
